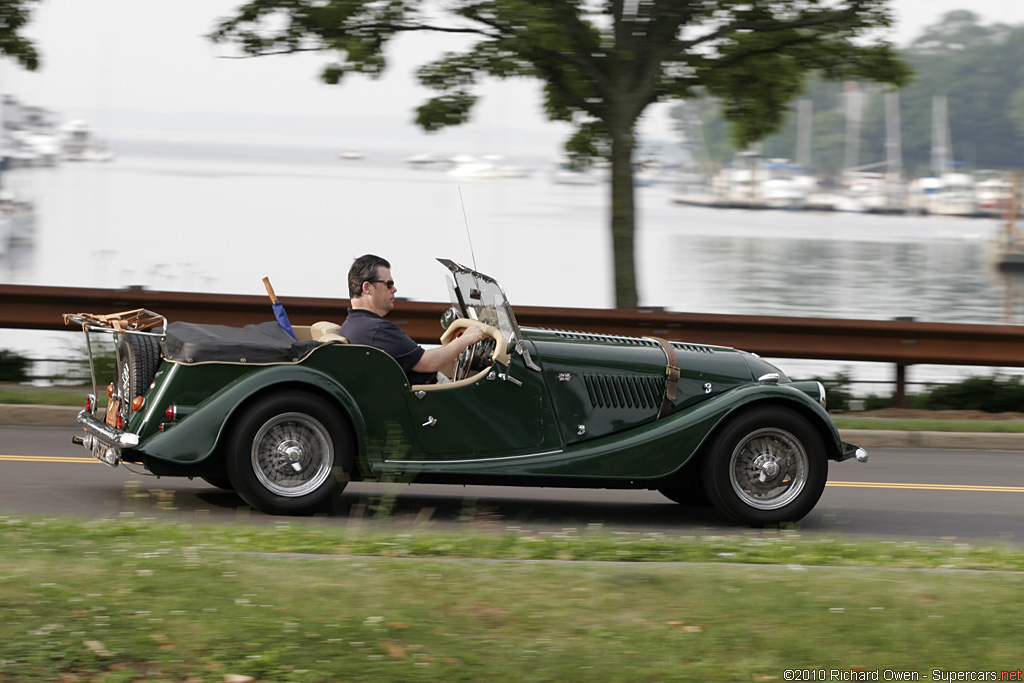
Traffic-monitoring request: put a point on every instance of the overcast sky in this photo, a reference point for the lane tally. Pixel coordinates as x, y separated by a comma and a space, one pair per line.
127, 55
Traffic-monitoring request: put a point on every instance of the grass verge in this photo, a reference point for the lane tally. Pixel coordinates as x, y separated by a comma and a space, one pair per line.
129, 600
927, 425
22, 395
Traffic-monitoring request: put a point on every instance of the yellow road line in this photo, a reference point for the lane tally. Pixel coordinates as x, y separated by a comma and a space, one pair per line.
44, 458
926, 487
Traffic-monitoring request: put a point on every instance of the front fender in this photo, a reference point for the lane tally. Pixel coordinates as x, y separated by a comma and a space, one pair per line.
196, 437
665, 446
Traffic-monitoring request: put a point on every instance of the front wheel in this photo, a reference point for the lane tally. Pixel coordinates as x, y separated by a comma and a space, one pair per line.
767, 466
287, 451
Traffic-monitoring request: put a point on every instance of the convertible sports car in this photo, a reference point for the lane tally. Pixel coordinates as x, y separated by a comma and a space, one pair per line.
286, 422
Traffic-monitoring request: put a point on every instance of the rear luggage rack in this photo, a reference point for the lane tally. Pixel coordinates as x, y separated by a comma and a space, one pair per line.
138, 320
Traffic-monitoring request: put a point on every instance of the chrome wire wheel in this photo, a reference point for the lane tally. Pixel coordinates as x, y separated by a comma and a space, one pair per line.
768, 469
292, 455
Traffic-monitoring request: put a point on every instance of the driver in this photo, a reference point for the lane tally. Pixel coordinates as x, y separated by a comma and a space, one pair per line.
372, 296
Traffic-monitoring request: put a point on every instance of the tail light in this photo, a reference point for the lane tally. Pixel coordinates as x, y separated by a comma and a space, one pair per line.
120, 421
177, 412
90, 402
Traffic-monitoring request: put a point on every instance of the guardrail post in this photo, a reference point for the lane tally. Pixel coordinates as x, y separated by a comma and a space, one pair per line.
899, 397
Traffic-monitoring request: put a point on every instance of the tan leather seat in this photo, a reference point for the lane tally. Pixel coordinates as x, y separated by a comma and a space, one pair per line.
327, 331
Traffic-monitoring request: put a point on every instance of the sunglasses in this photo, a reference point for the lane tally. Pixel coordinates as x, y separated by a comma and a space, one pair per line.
388, 283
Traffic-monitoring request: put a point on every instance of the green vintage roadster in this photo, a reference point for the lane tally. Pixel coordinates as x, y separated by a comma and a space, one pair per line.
286, 422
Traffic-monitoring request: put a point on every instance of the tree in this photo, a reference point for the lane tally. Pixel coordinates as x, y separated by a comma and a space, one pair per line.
14, 16
602, 63
956, 31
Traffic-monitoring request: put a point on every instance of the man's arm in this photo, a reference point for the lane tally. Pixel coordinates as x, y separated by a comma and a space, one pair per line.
434, 359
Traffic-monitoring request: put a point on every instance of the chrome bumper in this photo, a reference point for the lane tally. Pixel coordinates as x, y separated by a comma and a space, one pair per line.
851, 451
102, 440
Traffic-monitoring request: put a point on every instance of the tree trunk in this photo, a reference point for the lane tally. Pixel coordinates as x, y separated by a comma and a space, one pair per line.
623, 216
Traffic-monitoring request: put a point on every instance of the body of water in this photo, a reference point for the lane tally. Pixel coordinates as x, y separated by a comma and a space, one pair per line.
218, 219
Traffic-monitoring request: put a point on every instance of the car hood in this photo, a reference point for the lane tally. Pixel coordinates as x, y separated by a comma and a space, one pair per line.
601, 384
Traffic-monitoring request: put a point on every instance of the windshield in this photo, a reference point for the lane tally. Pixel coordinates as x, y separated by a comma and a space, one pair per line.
480, 297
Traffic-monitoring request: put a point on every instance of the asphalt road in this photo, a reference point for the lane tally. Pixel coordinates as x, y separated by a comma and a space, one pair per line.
906, 494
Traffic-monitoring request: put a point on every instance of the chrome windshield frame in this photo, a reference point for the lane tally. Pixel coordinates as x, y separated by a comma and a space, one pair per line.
480, 297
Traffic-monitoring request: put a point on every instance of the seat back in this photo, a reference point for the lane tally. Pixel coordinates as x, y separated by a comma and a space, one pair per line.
327, 331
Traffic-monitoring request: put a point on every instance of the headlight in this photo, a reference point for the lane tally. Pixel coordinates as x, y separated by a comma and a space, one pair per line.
450, 315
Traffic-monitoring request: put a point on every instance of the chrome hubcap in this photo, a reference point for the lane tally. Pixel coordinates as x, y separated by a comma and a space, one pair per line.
768, 468
291, 452
292, 455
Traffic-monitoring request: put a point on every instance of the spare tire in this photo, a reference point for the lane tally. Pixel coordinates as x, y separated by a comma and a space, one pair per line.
138, 357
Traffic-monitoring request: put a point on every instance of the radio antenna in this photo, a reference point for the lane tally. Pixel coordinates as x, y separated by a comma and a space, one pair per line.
468, 235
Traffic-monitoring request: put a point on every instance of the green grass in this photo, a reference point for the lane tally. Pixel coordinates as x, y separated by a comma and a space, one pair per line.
23, 395
130, 600
917, 425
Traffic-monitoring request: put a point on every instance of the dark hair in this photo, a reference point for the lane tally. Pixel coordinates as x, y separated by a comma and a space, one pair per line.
364, 269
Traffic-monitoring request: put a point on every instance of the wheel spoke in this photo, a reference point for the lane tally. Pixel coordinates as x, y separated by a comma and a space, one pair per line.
292, 454
768, 469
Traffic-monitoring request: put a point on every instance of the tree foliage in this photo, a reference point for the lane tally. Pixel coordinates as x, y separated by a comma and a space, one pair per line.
14, 367
14, 16
996, 394
601, 63
978, 68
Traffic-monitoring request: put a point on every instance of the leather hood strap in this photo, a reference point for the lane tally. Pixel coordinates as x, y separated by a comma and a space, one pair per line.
672, 376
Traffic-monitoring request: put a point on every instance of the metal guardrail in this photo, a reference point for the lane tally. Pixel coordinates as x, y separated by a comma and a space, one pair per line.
900, 342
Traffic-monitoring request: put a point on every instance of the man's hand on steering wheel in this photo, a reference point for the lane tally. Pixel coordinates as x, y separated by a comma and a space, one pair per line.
469, 336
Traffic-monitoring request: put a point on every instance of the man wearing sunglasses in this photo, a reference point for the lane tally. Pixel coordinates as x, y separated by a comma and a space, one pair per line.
371, 291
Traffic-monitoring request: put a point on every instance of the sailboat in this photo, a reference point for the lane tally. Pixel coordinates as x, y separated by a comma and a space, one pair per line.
946, 192
876, 187
17, 214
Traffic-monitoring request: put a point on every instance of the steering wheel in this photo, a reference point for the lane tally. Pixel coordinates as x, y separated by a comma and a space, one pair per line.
492, 347
473, 358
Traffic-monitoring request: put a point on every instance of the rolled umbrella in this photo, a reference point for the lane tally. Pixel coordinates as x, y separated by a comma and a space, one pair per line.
279, 312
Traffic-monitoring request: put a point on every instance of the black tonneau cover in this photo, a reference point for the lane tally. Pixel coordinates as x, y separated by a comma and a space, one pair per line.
264, 343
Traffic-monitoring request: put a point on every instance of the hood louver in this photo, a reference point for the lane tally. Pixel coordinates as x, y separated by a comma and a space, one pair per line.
624, 391
628, 341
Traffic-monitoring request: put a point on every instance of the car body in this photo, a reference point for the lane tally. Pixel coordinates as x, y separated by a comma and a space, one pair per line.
286, 422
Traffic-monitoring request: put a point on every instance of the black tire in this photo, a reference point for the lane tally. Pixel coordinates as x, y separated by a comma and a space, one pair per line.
221, 482
687, 486
766, 467
138, 357
286, 453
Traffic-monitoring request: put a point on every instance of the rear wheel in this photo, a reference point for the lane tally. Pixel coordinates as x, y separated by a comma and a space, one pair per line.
287, 451
767, 466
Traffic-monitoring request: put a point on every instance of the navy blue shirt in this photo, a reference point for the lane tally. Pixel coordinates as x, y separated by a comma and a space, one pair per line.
368, 328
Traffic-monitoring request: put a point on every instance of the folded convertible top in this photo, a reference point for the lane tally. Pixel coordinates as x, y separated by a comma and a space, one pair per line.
260, 344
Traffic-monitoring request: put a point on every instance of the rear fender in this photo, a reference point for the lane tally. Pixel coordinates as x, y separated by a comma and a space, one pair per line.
198, 436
